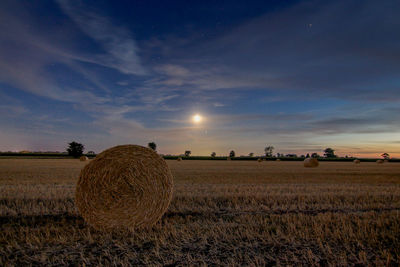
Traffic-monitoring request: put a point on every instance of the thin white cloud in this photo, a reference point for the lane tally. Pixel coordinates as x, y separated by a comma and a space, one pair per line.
279, 52
12, 110
122, 50
27, 56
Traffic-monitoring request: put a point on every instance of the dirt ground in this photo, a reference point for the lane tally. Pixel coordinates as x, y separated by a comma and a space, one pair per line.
222, 213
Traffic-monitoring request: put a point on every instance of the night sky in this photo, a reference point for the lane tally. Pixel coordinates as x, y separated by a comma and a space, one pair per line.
298, 75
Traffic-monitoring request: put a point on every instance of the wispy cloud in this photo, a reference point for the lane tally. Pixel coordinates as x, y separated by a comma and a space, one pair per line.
121, 49
280, 52
27, 57
12, 110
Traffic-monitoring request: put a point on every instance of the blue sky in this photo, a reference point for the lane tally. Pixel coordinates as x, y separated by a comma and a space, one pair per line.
299, 75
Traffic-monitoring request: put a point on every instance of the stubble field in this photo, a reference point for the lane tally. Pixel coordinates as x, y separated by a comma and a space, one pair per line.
222, 213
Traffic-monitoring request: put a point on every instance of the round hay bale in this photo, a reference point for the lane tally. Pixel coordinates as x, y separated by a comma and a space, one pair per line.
228, 158
124, 187
259, 160
385, 161
379, 161
357, 161
83, 158
179, 159
278, 159
311, 163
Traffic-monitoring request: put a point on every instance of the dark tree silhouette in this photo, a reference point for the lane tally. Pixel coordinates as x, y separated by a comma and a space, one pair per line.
152, 145
213, 154
232, 154
385, 156
268, 151
329, 153
314, 155
251, 154
187, 153
75, 149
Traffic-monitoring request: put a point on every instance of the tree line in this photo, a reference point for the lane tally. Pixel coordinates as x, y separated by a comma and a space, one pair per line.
76, 149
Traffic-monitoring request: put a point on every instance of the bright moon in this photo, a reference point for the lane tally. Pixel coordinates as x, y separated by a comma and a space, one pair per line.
197, 118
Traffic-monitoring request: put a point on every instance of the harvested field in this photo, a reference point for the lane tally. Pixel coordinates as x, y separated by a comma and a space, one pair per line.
222, 212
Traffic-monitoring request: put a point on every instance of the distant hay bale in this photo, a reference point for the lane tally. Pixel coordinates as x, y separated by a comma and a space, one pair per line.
278, 159
385, 161
311, 163
83, 158
379, 161
356, 161
259, 159
124, 187
179, 159
228, 158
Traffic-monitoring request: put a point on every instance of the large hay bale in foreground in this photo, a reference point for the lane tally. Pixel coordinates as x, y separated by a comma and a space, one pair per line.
379, 161
356, 161
83, 158
124, 187
311, 163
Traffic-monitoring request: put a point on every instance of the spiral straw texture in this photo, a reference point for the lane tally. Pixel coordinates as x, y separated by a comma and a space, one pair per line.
124, 187
311, 163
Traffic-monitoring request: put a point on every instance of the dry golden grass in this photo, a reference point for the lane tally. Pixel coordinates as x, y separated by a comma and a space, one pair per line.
222, 212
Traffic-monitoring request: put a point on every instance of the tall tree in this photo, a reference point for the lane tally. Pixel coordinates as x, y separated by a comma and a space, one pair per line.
385, 156
268, 151
213, 154
152, 145
329, 153
251, 154
187, 153
75, 149
232, 154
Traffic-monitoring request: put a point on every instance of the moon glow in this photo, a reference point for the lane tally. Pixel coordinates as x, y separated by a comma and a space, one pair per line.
197, 118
